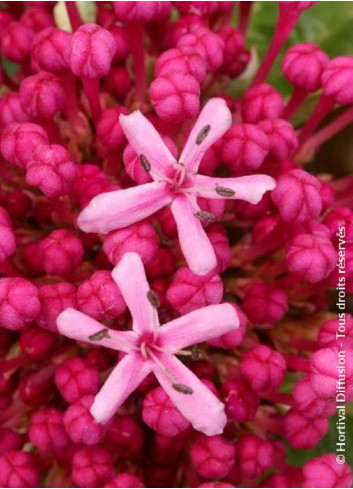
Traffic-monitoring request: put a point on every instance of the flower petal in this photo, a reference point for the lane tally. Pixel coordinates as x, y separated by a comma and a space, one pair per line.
120, 208
201, 408
80, 327
195, 245
146, 141
198, 326
250, 188
130, 276
214, 120
124, 379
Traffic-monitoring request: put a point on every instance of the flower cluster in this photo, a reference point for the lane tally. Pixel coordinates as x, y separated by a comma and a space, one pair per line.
165, 255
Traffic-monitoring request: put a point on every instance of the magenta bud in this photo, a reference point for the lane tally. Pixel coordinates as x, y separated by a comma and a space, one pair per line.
297, 196
234, 338
263, 368
265, 303
10, 440
245, 147
337, 80
100, 297
203, 9
220, 243
16, 42
208, 44
75, 379
18, 469
212, 456
42, 95
61, 252
303, 65
184, 25
189, 291
254, 455
140, 238
19, 304
37, 19
90, 182
37, 344
122, 45
7, 236
304, 433
80, 424
241, 402
125, 436
142, 11
47, 431
92, 467
233, 48
118, 82
50, 49
175, 96
52, 169
19, 140
282, 138
324, 471
185, 60
311, 256
261, 102
91, 51
11, 109
125, 480
109, 129
18, 204
307, 402
325, 376
54, 298
342, 326
160, 414
338, 218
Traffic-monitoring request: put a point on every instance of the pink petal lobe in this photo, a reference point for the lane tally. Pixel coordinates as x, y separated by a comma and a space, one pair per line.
250, 188
124, 379
195, 245
129, 274
146, 141
201, 408
115, 210
198, 326
80, 327
215, 119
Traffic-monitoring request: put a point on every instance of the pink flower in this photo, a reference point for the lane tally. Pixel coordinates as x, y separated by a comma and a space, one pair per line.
176, 183
150, 348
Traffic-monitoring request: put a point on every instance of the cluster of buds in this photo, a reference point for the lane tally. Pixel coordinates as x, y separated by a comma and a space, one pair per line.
165, 255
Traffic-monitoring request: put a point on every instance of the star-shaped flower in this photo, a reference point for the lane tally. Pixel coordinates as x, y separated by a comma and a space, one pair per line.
176, 183
150, 347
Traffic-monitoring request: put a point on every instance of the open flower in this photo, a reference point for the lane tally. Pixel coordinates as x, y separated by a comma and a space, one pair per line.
150, 347
176, 183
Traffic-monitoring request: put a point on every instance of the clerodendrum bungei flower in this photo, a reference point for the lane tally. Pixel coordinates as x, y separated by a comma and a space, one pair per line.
150, 347
176, 183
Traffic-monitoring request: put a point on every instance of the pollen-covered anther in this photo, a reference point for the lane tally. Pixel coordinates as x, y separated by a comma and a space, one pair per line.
202, 135
183, 389
153, 299
100, 335
206, 216
146, 165
224, 191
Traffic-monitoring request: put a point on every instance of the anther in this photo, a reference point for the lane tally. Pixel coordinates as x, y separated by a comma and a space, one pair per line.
202, 135
146, 165
103, 333
224, 191
153, 299
183, 389
205, 216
